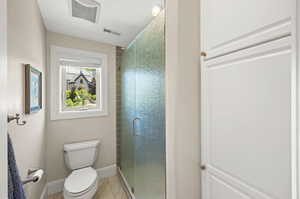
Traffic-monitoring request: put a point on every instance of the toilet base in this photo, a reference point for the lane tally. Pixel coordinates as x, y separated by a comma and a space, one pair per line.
88, 195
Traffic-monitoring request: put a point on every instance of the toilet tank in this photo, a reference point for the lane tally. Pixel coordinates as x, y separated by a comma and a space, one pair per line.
80, 155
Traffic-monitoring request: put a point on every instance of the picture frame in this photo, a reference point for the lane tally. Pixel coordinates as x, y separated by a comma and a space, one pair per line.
33, 89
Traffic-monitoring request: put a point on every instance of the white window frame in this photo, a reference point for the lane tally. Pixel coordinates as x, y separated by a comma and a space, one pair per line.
60, 53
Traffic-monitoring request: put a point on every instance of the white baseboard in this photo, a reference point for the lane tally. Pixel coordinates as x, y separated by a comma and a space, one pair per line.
107, 171
44, 194
57, 186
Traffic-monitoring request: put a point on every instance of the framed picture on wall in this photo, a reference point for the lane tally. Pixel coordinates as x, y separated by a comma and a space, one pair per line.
33, 89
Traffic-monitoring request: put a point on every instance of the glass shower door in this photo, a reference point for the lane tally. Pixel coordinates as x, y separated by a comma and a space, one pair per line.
142, 149
149, 124
128, 113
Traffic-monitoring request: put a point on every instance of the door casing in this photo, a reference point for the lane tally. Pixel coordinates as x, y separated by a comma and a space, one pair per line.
3, 111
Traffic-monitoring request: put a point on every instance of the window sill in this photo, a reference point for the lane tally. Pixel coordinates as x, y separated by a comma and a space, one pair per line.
78, 114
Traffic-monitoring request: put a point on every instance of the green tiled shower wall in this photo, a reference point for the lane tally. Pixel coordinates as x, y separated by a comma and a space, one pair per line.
141, 94
119, 52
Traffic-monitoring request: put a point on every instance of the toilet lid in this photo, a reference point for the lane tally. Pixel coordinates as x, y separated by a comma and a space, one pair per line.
80, 180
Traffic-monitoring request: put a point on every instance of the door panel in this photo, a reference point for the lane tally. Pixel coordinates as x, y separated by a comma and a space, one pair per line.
143, 113
219, 189
150, 111
128, 113
250, 22
247, 123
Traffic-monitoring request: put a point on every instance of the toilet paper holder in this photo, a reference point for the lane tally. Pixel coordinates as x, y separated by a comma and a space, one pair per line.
33, 176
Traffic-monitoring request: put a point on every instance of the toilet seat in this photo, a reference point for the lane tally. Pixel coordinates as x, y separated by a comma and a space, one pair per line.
80, 182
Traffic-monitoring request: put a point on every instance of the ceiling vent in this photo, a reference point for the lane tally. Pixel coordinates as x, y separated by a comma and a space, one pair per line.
85, 9
111, 32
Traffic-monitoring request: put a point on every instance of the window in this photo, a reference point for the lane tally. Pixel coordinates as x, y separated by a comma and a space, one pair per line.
79, 87
78, 84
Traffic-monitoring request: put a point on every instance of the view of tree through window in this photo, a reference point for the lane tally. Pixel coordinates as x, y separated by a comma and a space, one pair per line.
80, 87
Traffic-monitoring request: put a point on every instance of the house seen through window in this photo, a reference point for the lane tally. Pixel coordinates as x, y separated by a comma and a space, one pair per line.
79, 89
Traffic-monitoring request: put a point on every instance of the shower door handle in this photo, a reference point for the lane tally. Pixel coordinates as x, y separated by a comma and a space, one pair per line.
133, 126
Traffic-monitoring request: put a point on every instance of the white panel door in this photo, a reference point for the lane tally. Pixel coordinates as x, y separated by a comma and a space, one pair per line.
231, 25
247, 123
3, 114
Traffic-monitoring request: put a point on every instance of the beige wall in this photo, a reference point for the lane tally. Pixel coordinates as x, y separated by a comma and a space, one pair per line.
26, 45
75, 130
183, 99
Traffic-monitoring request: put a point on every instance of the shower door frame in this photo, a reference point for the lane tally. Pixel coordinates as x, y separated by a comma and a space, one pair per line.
3, 110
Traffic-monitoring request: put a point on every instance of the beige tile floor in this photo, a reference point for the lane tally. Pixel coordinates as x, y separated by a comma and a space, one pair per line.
109, 188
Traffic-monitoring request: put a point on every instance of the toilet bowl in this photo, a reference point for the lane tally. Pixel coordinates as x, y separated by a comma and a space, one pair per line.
82, 183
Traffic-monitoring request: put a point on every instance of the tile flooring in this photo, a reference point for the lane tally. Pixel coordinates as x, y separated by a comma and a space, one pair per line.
109, 188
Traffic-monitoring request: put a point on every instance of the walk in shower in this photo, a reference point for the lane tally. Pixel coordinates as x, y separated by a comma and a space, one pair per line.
141, 123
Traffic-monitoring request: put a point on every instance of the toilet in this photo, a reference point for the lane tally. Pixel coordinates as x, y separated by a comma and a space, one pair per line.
82, 183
